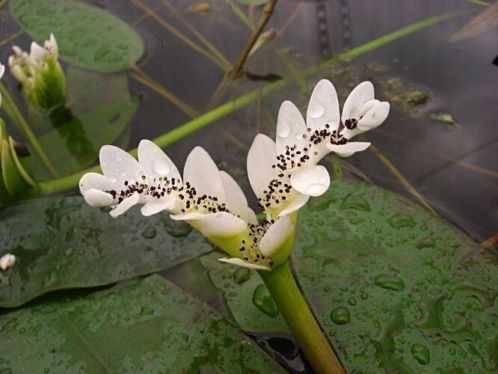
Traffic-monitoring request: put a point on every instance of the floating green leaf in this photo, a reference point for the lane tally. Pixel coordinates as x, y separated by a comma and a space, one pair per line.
250, 315
397, 289
143, 326
63, 243
87, 36
102, 108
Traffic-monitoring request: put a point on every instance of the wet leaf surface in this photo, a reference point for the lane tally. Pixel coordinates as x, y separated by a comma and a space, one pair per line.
133, 327
395, 289
101, 108
63, 243
87, 36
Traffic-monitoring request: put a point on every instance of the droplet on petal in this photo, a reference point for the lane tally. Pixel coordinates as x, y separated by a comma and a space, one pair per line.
315, 110
283, 130
161, 167
313, 181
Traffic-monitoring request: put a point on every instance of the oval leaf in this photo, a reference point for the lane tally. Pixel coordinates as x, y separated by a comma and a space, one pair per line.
63, 243
87, 36
143, 326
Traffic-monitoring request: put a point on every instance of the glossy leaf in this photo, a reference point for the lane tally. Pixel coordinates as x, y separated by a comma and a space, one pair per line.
395, 289
143, 326
63, 243
87, 36
240, 285
102, 109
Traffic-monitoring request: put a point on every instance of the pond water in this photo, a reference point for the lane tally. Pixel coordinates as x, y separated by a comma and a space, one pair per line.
438, 147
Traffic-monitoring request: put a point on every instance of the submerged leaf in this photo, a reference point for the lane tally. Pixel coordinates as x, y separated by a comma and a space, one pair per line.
63, 243
143, 326
87, 36
485, 21
101, 108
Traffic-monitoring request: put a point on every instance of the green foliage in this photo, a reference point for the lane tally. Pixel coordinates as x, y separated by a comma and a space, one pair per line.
100, 111
63, 243
395, 289
134, 327
87, 36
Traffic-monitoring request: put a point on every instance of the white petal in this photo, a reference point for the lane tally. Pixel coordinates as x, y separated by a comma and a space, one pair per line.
348, 149
219, 224
312, 181
154, 206
7, 260
262, 155
241, 263
124, 205
323, 107
236, 200
360, 95
51, 44
296, 201
119, 165
189, 216
375, 116
95, 181
155, 163
2, 69
203, 174
276, 236
98, 198
37, 52
290, 127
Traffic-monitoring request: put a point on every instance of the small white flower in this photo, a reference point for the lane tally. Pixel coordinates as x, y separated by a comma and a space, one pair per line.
283, 174
286, 173
7, 261
362, 112
2, 71
40, 74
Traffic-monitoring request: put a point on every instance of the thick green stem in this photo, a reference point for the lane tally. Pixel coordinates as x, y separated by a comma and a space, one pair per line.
302, 322
15, 115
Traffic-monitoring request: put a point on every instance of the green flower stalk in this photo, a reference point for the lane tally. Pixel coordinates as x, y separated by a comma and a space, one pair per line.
284, 174
40, 75
15, 181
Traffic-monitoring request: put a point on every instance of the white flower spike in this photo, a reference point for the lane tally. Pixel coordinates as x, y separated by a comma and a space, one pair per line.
284, 175
40, 74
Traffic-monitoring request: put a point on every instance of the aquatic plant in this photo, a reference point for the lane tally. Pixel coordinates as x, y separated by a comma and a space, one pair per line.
40, 74
283, 174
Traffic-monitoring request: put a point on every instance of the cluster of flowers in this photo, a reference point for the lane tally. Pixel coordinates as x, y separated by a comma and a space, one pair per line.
283, 174
40, 74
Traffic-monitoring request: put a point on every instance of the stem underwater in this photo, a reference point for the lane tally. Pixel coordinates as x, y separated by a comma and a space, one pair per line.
302, 322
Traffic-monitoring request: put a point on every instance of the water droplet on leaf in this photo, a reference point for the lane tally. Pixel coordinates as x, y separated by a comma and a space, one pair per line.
401, 220
149, 233
420, 353
340, 315
389, 282
241, 275
264, 302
